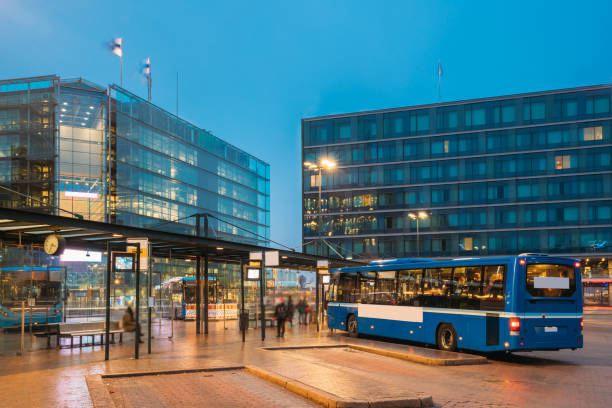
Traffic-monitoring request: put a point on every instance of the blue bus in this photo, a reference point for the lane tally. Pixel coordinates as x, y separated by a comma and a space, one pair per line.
518, 303
39, 285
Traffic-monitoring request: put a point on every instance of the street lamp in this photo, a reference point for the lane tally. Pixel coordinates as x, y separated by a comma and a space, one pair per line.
420, 215
328, 165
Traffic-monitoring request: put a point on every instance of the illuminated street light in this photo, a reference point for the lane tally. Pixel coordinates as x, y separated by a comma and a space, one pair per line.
420, 215
327, 164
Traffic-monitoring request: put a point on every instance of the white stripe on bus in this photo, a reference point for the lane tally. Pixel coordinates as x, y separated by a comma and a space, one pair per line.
391, 309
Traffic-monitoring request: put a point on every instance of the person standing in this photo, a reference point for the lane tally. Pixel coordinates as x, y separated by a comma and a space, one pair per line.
301, 306
290, 311
280, 313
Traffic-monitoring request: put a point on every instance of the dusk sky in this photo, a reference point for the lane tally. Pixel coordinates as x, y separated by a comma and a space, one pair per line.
249, 71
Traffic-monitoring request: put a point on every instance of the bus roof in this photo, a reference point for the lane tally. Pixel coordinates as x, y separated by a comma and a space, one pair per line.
416, 263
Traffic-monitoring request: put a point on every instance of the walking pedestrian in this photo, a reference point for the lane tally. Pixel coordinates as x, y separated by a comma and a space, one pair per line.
302, 311
280, 313
290, 311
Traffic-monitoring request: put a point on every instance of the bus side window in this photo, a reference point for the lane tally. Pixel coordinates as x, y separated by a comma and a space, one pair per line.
385, 293
436, 287
367, 290
346, 288
493, 288
410, 287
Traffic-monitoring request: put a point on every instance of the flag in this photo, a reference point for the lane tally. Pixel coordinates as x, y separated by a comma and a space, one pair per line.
115, 46
146, 67
439, 69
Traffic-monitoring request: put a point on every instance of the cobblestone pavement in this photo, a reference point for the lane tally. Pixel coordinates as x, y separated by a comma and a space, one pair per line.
205, 389
52, 378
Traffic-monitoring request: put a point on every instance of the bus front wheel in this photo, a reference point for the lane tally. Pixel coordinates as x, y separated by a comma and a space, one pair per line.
351, 326
447, 337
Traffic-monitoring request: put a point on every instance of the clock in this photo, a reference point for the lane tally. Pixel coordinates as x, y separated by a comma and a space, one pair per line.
54, 244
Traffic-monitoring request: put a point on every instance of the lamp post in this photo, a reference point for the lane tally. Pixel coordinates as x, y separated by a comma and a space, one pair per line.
420, 215
327, 164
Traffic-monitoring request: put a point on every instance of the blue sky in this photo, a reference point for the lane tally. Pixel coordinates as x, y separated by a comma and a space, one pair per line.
249, 71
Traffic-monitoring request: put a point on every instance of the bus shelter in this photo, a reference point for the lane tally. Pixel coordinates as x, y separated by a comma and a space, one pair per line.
21, 228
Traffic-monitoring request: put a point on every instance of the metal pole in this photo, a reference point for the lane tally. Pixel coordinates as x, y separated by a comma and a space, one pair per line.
320, 249
149, 295
262, 291
137, 337
418, 242
107, 296
244, 323
198, 290
317, 283
205, 293
22, 327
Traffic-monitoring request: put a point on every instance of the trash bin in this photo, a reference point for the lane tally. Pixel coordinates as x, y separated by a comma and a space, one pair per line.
244, 320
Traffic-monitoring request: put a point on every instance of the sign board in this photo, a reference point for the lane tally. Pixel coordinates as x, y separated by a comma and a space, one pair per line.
123, 262
31, 302
256, 256
540, 282
272, 258
252, 274
325, 279
322, 263
151, 301
144, 251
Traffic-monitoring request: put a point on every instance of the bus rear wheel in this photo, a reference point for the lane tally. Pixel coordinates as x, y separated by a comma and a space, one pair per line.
446, 338
351, 326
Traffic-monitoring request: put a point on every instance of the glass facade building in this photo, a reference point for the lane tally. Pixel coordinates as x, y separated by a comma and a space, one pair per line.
494, 176
73, 148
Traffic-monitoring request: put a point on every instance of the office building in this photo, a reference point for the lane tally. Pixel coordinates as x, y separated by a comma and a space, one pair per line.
73, 148
492, 176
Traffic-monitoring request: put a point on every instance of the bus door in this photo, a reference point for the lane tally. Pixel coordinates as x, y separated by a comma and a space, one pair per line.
552, 305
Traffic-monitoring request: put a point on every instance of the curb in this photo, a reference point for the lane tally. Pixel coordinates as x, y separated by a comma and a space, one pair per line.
170, 372
421, 359
100, 397
332, 401
415, 358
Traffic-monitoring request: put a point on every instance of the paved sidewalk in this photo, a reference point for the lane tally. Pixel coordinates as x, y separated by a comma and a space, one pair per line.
235, 388
56, 378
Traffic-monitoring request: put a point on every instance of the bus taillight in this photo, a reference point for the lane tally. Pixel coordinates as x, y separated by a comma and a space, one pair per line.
515, 326
581, 324
577, 265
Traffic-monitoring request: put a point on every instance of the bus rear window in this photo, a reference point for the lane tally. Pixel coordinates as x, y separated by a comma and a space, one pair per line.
547, 280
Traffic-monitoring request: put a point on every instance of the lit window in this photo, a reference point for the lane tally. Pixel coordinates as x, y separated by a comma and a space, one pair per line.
563, 162
592, 133
446, 146
468, 243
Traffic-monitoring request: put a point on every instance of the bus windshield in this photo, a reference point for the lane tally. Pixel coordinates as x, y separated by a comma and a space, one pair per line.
550, 280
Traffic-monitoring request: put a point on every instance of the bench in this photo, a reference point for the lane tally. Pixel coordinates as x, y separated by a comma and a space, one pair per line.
88, 329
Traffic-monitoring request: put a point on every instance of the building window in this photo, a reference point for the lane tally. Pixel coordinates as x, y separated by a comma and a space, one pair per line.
503, 114
597, 104
534, 111
419, 122
563, 162
367, 128
475, 116
343, 130
467, 244
447, 120
592, 133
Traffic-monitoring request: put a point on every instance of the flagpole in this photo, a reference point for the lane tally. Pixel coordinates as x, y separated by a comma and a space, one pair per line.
439, 73
121, 66
149, 79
